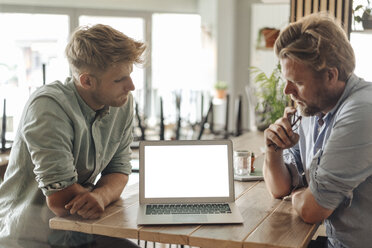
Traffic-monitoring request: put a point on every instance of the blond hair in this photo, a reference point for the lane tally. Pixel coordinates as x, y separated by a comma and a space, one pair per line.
101, 46
319, 42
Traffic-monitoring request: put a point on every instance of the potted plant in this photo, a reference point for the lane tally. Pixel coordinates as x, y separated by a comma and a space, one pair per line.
270, 35
271, 99
362, 14
220, 87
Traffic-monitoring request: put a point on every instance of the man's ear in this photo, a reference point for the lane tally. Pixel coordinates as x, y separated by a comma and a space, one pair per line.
86, 80
333, 74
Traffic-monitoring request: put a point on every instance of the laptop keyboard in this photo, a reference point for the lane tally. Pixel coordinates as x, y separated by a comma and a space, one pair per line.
208, 208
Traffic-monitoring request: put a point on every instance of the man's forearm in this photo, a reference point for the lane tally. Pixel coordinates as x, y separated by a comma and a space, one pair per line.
277, 177
110, 187
57, 201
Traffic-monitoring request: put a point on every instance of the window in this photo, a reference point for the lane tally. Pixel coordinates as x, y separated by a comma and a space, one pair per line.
361, 43
32, 41
182, 58
182, 64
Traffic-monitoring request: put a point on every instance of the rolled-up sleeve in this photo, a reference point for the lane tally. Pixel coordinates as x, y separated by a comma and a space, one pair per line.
48, 135
292, 160
347, 158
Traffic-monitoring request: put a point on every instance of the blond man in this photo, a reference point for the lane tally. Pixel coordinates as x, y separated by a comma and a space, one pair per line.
326, 164
69, 135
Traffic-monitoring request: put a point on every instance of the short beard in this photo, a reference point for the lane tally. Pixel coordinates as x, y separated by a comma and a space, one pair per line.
309, 110
326, 100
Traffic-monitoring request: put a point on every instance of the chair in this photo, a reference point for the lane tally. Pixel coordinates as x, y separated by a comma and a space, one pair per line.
5, 144
162, 130
238, 107
139, 120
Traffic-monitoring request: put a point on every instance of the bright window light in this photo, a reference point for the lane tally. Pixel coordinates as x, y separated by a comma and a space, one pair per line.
29, 41
183, 63
361, 43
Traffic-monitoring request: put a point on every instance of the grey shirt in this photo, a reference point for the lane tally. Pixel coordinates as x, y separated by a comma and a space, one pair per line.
336, 158
60, 141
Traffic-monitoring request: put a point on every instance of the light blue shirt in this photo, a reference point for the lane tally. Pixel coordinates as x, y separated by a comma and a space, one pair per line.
337, 161
60, 141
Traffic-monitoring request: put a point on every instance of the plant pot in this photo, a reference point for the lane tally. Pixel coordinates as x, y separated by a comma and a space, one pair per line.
367, 20
270, 35
220, 94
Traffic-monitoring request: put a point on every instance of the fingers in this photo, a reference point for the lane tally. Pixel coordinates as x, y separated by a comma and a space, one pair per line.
288, 111
276, 134
91, 213
75, 204
86, 205
280, 134
69, 205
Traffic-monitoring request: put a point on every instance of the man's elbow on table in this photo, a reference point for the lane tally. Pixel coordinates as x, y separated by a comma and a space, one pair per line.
307, 207
57, 208
310, 217
279, 194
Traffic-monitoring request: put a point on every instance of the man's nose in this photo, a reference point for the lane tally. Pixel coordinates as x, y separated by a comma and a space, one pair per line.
130, 86
288, 88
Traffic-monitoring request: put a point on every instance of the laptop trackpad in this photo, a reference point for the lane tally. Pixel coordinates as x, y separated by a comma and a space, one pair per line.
189, 218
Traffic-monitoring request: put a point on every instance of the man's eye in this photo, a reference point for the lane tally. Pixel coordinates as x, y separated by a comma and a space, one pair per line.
120, 80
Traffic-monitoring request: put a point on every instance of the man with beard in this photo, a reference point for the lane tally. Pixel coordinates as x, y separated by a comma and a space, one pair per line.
325, 164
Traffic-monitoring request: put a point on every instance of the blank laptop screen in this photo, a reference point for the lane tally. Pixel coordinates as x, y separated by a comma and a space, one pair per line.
186, 171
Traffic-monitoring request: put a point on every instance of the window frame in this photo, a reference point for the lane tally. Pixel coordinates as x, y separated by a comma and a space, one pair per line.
75, 13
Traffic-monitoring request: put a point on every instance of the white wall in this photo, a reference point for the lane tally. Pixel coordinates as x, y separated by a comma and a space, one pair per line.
234, 25
265, 59
243, 44
279, 18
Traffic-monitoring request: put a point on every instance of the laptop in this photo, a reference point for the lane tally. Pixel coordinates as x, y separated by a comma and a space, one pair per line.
186, 182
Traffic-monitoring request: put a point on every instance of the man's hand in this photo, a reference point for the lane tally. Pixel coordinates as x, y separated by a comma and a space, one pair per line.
88, 205
78, 199
280, 134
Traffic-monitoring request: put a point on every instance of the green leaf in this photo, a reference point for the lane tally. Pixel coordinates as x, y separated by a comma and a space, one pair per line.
272, 100
357, 18
358, 7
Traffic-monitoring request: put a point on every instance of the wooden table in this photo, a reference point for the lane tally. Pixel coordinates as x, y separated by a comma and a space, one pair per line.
268, 222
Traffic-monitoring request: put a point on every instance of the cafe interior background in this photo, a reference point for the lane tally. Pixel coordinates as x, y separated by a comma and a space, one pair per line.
193, 47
